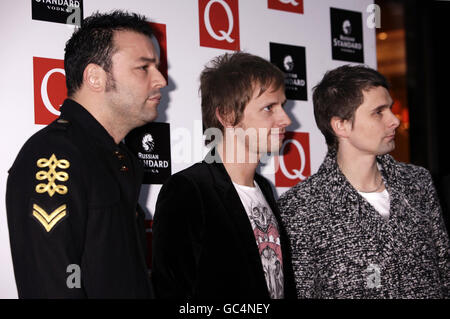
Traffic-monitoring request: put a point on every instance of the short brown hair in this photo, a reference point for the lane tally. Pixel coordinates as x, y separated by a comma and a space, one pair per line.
340, 93
228, 84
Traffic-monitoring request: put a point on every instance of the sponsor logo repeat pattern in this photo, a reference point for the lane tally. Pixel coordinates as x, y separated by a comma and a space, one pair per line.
218, 28
347, 35
151, 145
58, 11
49, 89
294, 163
219, 24
294, 6
292, 61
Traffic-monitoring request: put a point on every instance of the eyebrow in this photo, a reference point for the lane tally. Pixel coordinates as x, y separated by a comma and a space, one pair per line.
149, 60
275, 103
384, 106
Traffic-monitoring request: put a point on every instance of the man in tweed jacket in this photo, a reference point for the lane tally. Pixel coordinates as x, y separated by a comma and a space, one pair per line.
364, 226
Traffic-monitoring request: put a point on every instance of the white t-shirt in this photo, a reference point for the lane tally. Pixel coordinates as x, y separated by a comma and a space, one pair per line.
265, 229
380, 201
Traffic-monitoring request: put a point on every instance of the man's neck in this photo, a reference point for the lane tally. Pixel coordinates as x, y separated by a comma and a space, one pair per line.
104, 117
240, 173
360, 170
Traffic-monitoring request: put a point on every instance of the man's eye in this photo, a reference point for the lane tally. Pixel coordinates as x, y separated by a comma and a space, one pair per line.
379, 112
144, 67
268, 108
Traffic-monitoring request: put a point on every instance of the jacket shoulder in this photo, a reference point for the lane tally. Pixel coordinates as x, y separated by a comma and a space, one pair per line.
310, 188
55, 139
412, 172
187, 180
307, 199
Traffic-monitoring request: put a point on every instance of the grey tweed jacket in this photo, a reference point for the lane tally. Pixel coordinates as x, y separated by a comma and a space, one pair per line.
343, 248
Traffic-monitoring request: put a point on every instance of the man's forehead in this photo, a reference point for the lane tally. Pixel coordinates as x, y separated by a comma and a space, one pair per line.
376, 95
270, 87
135, 46
125, 39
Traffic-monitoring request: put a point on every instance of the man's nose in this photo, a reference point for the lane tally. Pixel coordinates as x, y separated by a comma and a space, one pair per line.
158, 80
284, 119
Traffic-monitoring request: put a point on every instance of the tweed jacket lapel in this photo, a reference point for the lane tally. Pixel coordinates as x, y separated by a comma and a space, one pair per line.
356, 208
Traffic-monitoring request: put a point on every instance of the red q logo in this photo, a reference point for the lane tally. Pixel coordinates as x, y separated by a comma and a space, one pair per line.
219, 24
295, 6
160, 43
294, 163
49, 89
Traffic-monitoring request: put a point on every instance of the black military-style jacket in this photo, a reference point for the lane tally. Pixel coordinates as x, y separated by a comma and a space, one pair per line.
75, 227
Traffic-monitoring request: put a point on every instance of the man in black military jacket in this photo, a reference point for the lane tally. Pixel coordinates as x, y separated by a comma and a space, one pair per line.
217, 232
75, 227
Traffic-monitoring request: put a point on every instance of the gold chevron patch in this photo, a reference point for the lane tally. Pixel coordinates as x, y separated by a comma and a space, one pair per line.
49, 221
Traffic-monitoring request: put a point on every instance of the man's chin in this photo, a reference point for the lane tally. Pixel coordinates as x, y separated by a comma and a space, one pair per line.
152, 115
387, 149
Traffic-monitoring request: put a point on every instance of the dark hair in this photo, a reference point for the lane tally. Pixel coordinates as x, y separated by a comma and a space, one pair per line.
93, 43
340, 93
229, 82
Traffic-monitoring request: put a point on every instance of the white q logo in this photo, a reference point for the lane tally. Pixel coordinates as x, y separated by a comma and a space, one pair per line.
293, 2
224, 35
44, 92
301, 152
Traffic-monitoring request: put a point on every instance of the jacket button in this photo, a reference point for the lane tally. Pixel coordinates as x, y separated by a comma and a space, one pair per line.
119, 155
124, 169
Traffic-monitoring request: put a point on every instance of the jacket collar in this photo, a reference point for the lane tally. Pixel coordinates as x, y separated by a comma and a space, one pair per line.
357, 208
339, 182
221, 178
71, 111
236, 211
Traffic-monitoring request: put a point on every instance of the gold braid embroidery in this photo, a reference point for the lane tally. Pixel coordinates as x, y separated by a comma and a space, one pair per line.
52, 175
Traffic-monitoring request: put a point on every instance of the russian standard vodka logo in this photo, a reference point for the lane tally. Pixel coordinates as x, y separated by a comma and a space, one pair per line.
346, 35
148, 143
288, 63
206, 17
292, 61
347, 27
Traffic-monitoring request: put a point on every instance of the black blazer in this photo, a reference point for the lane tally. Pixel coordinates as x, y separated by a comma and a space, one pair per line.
203, 242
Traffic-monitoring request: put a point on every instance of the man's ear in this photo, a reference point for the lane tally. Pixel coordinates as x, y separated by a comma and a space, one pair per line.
226, 121
94, 77
340, 126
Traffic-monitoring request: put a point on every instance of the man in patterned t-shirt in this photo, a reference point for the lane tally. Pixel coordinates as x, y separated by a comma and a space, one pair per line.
217, 232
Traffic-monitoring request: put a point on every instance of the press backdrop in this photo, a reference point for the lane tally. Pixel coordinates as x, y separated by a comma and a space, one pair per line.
304, 38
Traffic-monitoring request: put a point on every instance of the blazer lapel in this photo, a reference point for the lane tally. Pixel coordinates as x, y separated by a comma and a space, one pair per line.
235, 209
